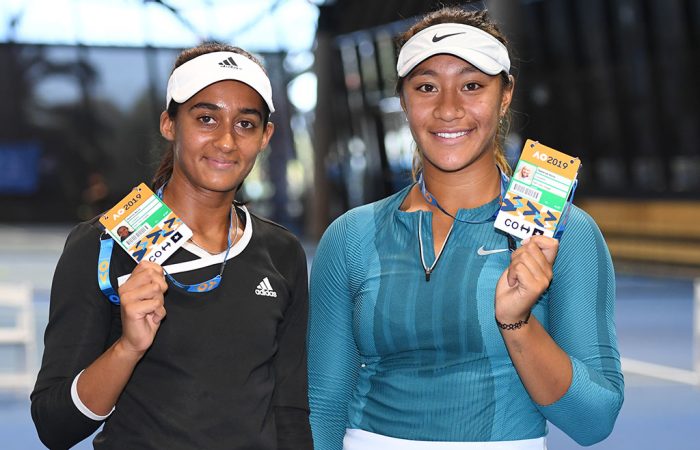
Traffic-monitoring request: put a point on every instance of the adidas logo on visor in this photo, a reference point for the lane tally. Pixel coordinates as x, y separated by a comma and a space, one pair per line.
265, 289
228, 62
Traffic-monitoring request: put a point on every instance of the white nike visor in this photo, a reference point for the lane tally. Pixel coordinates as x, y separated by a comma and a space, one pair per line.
200, 72
477, 47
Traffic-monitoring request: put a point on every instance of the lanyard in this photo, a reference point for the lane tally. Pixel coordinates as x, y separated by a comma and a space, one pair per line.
561, 226
105, 256
433, 201
106, 246
214, 282
511, 241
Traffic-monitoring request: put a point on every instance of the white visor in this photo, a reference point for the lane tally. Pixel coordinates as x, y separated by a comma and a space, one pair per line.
473, 45
200, 72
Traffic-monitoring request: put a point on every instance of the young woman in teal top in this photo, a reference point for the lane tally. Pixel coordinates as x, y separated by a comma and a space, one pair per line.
426, 332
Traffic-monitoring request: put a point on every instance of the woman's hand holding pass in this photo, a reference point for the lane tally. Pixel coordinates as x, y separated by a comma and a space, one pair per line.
525, 279
142, 306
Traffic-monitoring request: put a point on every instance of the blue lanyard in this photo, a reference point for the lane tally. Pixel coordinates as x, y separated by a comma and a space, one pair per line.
433, 201
106, 246
105, 256
504, 186
212, 283
561, 226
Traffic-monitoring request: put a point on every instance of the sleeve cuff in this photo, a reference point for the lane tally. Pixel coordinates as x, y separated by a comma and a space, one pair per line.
79, 404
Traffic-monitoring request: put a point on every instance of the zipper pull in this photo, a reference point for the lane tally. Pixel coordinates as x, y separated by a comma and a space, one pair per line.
427, 274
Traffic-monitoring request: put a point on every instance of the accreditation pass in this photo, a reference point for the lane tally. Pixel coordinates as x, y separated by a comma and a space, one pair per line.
145, 227
537, 192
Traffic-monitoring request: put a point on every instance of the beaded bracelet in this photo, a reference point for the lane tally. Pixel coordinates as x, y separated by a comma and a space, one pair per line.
513, 326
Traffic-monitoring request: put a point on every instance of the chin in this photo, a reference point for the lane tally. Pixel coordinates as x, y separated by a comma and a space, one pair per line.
451, 166
220, 186
457, 165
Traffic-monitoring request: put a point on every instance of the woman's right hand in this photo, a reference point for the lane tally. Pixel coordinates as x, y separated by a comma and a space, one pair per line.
142, 306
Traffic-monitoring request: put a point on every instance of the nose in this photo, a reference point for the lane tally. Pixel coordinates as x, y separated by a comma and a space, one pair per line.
226, 140
449, 106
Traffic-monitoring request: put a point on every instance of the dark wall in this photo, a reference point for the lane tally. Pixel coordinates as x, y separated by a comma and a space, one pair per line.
81, 123
79, 129
612, 82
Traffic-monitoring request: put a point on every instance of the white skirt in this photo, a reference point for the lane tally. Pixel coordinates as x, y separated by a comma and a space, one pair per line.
364, 440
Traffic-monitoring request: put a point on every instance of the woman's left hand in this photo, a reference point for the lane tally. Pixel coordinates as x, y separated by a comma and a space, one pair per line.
525, 279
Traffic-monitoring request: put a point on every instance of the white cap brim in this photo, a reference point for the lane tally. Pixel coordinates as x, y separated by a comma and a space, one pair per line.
202, 71
471, 44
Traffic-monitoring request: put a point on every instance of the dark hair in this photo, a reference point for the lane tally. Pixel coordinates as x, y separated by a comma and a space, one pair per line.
165, 169
476, 19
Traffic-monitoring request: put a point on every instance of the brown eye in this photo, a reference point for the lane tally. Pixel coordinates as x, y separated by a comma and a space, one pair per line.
247, 125
472, 86
426, 88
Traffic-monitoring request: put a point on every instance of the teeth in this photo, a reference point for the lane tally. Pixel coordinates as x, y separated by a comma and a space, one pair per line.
452, 135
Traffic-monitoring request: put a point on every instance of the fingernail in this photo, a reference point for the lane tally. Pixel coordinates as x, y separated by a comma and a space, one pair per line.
526, 240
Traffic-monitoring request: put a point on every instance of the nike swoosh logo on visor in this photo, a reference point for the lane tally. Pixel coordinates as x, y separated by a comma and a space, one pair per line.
437, 38
483, 252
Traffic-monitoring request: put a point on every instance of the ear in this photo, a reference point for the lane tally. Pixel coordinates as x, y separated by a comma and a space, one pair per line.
267, 135
403, 103
167, 126
507, 96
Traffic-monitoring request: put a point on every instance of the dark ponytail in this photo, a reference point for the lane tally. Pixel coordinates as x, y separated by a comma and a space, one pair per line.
165, 169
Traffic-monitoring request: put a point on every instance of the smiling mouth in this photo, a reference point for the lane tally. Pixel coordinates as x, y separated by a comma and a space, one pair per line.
451, 135
220, 162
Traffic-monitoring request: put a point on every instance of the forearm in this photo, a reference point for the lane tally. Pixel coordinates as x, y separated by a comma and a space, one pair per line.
580, 310
544, 368
101, 384
142, 310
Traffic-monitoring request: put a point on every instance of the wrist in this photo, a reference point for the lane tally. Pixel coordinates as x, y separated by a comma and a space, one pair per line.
513, 325
124, 351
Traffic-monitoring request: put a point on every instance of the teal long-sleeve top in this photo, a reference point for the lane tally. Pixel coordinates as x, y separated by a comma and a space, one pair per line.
394, 354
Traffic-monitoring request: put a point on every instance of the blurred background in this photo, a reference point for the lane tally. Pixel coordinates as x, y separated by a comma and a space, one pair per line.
614, 82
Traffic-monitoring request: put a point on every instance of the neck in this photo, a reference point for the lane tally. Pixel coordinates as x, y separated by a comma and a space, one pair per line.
459, 190
206, 213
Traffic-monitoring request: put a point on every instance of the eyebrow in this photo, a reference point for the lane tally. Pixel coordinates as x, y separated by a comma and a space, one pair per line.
213, 107
466, 69
203, 105
251, 111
